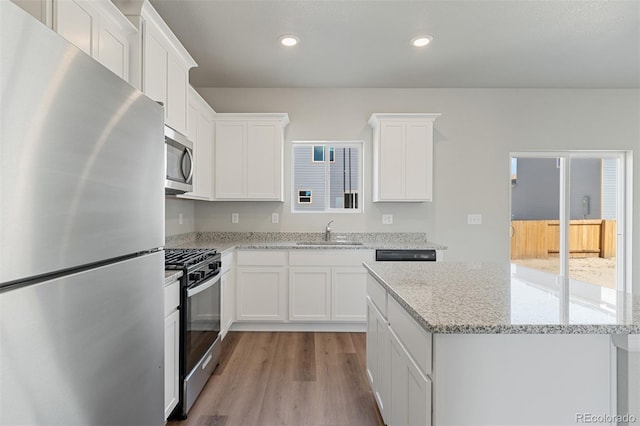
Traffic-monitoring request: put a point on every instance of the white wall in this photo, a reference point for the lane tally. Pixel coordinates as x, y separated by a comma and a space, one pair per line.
473, 137
173, 207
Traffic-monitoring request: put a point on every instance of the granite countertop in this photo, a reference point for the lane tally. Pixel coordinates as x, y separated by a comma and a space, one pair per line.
224, 241
500, 298
170, 276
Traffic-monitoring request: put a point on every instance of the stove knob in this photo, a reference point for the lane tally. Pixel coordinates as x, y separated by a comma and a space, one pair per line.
193, 276
212, 266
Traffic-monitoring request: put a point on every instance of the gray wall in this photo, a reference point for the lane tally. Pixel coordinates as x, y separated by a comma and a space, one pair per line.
473, 138
173, 207
536, 195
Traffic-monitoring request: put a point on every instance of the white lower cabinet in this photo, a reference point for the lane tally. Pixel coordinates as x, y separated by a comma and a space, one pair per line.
262, 293
328, 285
349, 294
171, 347
300, 289
402, 388
378, 358
228, 296
409, 389
309, 294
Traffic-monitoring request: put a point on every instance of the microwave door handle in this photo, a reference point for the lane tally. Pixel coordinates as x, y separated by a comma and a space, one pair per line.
187, 152
200, 288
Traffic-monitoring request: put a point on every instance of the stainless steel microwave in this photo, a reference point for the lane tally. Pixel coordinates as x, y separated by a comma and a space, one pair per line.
179, 162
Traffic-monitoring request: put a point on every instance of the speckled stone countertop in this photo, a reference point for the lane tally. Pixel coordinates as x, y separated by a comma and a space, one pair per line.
223, 241
170, 276
478, 298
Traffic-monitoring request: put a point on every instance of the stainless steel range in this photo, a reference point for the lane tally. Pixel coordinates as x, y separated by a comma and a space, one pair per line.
200, 341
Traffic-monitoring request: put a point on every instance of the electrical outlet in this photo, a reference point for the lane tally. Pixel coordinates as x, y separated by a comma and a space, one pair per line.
235, 218
180, 219
387, 219
474, 219
275, 218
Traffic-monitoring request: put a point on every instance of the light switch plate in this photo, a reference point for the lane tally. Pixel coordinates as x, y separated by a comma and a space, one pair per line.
235, 218
387, 219
275, 218
180, 219
474, 219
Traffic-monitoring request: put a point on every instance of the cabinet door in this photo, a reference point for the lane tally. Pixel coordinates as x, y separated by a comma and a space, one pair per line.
203, 157
418, 161
309, 294
177, 83
228, 301
349, 294
193, 110
391, 161
202, 137
154, 82
230, 155
171, 354
409, 389
378, 370
261, 293
264, 161
113, 51
76, 21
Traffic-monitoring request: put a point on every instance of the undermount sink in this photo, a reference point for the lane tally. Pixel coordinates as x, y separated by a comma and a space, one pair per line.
329, 243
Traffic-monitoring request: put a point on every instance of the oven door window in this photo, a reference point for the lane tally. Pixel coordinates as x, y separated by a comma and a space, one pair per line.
203, 320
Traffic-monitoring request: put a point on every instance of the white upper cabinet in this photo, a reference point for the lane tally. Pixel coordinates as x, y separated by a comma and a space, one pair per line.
200, 132
160, 65
97, 27
248, 153
402, 157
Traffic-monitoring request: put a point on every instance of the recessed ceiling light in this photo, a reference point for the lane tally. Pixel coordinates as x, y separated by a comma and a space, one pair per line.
289, 40
421, 41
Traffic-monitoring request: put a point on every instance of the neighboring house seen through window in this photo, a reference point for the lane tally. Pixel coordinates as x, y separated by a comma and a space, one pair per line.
327, 176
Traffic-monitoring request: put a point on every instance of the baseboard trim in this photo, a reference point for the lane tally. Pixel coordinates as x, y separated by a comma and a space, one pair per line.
299, 326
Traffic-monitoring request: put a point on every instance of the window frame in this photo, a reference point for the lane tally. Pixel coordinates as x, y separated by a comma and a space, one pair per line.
329, 143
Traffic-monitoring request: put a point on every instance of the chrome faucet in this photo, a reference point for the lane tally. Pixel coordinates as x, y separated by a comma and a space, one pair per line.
327, 231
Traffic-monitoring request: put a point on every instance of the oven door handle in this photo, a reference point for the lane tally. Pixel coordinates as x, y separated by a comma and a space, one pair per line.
202, 287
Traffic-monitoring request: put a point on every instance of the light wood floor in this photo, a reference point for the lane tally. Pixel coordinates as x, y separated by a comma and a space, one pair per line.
288, 379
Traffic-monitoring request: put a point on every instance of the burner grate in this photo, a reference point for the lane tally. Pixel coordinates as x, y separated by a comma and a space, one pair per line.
182, 258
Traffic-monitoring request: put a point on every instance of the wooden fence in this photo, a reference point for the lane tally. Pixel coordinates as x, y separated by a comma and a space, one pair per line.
535, 239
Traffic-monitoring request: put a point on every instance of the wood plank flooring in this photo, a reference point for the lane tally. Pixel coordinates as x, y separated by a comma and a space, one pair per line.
288, 379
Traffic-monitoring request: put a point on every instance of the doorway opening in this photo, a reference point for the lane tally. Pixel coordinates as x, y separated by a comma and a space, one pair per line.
568, 218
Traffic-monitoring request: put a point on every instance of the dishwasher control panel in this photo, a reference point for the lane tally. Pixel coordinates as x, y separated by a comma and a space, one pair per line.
406, 255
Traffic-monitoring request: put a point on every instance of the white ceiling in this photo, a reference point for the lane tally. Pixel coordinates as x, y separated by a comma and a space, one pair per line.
365, 43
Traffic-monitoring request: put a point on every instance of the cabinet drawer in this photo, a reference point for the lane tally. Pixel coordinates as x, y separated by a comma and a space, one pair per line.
261, 258
417, 342
227, 262
378, 294
171, 297
321, 257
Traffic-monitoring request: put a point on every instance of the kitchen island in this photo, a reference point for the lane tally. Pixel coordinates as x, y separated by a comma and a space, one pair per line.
482, 344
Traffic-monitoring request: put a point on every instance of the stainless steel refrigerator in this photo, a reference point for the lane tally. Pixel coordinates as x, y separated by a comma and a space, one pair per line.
81, 231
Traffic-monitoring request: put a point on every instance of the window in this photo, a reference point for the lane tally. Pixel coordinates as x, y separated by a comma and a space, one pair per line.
327, 176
